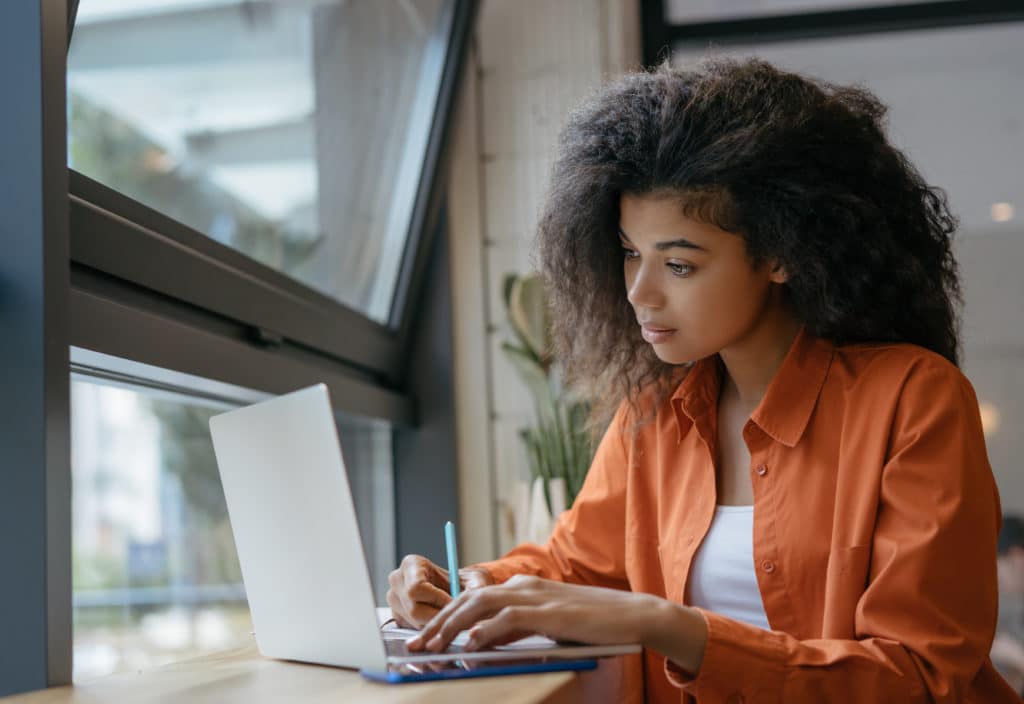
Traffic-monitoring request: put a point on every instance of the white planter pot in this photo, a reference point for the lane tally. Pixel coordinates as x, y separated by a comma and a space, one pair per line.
534, 522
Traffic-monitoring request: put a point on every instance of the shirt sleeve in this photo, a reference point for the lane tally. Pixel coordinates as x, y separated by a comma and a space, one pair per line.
587, 545
926, 619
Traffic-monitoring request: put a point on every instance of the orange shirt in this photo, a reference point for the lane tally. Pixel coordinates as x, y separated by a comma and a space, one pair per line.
875, 524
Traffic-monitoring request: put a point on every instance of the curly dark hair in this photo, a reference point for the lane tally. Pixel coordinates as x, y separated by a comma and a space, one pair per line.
798, 167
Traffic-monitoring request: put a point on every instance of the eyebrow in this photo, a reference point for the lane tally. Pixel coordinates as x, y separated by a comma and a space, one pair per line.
668, 244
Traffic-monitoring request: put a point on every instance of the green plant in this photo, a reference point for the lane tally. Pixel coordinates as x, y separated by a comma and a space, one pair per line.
558, 445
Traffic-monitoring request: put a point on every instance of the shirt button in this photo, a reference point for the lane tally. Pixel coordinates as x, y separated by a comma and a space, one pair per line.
761, 470
768, 566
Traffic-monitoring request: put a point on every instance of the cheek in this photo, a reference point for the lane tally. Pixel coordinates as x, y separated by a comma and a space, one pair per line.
721, 300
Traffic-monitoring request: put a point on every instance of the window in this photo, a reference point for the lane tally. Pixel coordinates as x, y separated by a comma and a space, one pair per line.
295, 133
156, 577
253, 202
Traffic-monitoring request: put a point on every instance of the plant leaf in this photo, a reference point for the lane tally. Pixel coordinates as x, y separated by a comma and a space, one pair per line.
532, 375
506, 288
528, 312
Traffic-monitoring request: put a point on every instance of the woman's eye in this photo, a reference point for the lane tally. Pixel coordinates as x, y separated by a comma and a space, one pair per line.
629, 253
680, 269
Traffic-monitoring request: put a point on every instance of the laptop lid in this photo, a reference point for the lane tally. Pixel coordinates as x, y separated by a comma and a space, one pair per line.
295, 529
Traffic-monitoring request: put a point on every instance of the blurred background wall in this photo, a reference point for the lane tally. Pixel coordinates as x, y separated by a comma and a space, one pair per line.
530, 63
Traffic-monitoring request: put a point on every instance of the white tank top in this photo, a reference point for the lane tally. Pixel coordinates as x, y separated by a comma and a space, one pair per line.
722, 577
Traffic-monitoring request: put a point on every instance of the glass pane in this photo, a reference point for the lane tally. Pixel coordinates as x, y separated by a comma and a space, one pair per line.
155, 573
294, 132
956, 110
684, 11
366, 448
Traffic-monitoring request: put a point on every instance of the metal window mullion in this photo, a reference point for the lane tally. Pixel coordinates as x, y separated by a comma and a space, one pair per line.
426, 210
141, 247
35, 481
125, 328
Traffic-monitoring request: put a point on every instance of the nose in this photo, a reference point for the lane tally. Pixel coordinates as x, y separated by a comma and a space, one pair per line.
642, 290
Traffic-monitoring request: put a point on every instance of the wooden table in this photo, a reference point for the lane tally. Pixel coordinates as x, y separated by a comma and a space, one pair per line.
245, 676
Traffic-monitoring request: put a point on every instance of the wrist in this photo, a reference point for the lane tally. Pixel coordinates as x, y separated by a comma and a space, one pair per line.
676, 631
475, 576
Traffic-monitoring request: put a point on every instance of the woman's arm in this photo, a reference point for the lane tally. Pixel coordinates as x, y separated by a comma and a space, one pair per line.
588, 543
586, 547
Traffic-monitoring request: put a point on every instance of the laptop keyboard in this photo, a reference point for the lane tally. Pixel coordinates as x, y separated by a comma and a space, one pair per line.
397, 646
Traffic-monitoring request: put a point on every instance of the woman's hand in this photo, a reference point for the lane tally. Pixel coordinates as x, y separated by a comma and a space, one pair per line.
419, 589
526, 605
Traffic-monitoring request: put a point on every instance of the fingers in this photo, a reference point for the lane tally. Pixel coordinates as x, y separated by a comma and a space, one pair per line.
427, 593
396, 609
416, 568
414, 618
429, 631
415, 594
461, 613
419, 598
506, 626
422, 614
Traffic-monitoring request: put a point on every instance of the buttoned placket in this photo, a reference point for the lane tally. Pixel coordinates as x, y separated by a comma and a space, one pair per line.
765, 547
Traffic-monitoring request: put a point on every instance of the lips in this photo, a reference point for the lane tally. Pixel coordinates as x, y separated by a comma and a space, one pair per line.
655, 334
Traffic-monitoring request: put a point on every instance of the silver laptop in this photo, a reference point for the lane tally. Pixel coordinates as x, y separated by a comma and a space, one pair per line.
299, 548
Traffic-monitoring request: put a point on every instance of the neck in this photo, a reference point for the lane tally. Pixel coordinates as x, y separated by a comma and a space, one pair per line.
751, 363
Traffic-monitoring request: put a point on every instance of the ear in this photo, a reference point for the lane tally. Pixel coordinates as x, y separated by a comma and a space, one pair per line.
777, 273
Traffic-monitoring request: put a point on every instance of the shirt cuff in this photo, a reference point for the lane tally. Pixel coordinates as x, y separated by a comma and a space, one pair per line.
742, 663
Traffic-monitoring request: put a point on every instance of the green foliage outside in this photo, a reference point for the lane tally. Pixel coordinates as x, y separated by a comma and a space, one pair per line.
111, 151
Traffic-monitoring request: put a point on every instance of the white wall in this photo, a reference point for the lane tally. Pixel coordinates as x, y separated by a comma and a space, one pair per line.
532, 61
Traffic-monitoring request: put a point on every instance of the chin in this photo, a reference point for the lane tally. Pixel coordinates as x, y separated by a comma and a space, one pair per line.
676, 356
682, 353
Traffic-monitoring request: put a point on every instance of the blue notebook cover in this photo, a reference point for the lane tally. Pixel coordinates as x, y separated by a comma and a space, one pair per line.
457, 670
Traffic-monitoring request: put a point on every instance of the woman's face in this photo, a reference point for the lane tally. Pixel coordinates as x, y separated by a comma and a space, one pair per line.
692, 286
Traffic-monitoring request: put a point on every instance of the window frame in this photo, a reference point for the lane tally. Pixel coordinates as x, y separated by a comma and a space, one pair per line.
126, 240
659, 38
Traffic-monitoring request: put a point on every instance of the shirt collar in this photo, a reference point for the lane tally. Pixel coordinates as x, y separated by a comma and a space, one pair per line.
786, 408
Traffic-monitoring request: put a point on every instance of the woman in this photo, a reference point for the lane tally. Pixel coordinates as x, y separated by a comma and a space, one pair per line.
792, 502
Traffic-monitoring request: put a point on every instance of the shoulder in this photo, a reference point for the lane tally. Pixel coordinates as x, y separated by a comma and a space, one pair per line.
912, 391
887, 369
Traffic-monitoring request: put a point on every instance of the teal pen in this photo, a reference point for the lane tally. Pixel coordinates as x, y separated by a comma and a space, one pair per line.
453, 558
